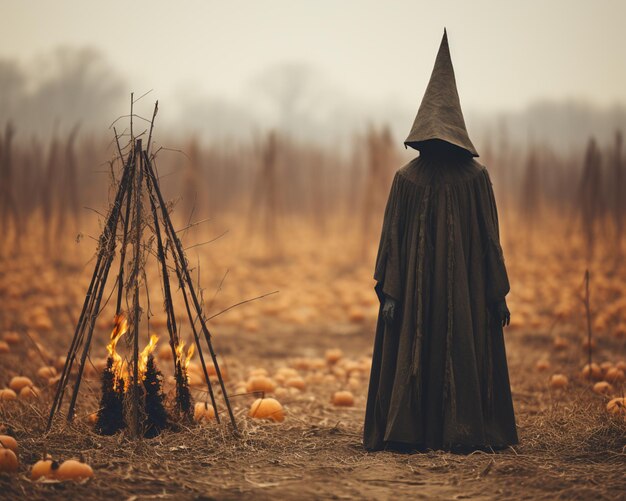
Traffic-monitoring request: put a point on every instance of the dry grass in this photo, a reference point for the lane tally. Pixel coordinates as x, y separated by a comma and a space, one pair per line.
570, 448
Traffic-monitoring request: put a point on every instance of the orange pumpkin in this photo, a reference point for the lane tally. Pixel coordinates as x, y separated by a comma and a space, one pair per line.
12, 337
203, 411
44, 468
333, 356
46, 372
602, 388
296, 382
614, 375
19, 382
7, 394
8, 461
617, 406
4, 347
592, 371
260, 383
29, 393
343, 399
558, 381
267, 408
73, 470
8, 442
560, 343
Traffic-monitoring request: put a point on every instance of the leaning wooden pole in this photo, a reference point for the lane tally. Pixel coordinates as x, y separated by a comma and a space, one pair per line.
169, 304
187, 276
107, 237
135, 423
120, 275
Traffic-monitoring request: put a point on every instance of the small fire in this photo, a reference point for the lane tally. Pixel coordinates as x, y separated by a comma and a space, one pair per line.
143, 357
119, 329
180, 354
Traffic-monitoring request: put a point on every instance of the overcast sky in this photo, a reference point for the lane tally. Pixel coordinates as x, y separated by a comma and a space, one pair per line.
506, 54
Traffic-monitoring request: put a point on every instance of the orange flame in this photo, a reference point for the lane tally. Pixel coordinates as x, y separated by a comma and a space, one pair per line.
143, 357
180, 354
119, 329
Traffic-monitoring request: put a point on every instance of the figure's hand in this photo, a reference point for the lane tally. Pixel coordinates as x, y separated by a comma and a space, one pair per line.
502, 313
389, 309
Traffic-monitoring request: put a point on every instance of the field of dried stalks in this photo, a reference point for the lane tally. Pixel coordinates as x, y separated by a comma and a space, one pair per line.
313, 339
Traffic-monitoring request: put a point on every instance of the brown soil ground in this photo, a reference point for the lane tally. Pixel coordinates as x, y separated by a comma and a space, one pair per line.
568, 449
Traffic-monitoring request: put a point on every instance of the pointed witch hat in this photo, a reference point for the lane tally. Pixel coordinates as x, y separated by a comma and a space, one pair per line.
440, 116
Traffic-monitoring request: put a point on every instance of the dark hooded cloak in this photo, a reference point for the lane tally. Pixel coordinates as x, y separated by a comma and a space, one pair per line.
439, 375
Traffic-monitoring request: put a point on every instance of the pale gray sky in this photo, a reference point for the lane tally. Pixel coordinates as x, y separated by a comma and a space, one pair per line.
370, 59
506, 53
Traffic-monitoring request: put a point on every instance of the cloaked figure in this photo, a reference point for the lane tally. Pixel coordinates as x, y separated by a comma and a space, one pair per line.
439, 376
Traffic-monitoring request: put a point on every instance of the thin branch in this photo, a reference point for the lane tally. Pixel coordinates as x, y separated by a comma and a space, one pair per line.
207, 242
143, 95
219, 288
194, 224
240, 303
126, 116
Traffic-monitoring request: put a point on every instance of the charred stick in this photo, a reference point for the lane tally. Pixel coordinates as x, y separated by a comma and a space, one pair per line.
88, 303
136, 315
168, 294
169, 304
154, 113
120, 278
108, 237
183, 264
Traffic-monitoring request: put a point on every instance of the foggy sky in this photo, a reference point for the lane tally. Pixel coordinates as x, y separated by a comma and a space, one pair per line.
223, 65
507, 54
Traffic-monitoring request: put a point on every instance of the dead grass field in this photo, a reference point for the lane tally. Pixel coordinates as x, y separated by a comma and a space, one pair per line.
570, 447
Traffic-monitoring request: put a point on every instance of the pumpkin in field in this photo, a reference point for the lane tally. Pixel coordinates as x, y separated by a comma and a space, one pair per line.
267, 408
46, 372
29, 393
602, 388
296, 382
8, 442
586, 344
560, 343
59, 363
12, 338
8, 461
260, 383
334, 355
7, 394
19, 382
44, 468
591, 371
614, 375
617, 406
605, 366
343, 399
73, 470
203, 411
558, 381
542, 365
4, 347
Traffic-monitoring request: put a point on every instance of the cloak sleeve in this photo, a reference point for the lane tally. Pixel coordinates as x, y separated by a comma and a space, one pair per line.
497, 277
387, 272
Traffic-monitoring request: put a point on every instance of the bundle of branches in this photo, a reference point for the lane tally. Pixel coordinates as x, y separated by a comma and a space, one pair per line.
111, 412
143, 406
